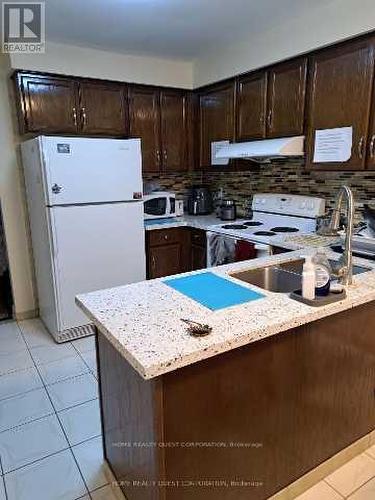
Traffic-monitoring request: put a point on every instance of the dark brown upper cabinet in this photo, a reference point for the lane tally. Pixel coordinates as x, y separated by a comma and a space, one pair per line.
71, 106
286, 99
145, 123
103, 109
160, 119
339, 95
272, 103
174, 130
251, 106
47, 104
216, 118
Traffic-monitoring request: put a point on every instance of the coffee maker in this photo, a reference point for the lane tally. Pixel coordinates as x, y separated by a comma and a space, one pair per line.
199, 200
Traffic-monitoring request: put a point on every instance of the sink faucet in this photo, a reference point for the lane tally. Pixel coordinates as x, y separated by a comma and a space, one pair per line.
344, 267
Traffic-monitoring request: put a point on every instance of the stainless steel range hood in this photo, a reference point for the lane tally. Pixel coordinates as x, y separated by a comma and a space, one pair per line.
263, 150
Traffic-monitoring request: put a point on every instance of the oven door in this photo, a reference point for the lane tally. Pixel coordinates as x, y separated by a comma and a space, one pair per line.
223, 249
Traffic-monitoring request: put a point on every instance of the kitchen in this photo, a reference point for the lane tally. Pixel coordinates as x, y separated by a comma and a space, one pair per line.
206, 327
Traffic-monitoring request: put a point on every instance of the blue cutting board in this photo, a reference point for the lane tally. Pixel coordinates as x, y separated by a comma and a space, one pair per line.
212, 291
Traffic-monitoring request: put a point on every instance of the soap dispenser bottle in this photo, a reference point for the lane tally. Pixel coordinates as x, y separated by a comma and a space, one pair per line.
308, 278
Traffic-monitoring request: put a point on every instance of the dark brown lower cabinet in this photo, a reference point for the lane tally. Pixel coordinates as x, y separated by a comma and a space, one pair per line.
175, 250
198, 249
244, 424
165, 260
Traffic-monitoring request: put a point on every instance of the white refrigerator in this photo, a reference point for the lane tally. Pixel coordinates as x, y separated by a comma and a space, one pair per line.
86, 216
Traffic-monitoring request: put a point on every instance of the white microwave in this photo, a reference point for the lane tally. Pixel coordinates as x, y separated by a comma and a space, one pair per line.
160, 204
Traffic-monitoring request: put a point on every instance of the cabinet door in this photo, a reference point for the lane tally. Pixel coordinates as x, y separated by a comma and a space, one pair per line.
251, 106
198, 252
339, 96
145, 123
286, 99
174, 134
103, 109
216, 118
165, 260
198, 257
49, 105
371, 136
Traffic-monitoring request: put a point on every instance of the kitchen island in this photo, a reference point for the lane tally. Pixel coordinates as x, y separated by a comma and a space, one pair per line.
277, 388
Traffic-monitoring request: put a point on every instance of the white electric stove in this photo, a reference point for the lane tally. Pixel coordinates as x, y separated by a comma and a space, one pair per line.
273, 215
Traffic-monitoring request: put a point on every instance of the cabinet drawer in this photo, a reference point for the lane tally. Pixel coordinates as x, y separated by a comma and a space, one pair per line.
162, 236
198, 237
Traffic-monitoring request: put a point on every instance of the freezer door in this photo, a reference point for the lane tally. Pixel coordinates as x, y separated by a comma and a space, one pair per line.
83, 170
95, 247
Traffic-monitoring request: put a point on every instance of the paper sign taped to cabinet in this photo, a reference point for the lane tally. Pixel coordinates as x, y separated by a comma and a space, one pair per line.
215, 146
333, 145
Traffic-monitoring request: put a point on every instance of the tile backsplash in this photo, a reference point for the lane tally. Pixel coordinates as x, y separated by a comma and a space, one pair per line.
278, 177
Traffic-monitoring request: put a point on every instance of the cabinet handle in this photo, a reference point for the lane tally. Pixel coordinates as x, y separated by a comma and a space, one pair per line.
165, 155
84, 116
75, 116
153, 262
158, 157
372, 147
269, 119
360, 147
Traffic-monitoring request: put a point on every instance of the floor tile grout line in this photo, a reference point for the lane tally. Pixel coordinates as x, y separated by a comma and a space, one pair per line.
19, 394
80, 354
333, 488
75, 406
69, 378
362, 485
28, 422
3, 478
37, 460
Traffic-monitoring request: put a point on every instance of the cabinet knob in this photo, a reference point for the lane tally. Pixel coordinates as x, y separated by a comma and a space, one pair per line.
360, 147
165, 155
84, 116
158, 157
153, 262
74, 116
372, 147
269, 118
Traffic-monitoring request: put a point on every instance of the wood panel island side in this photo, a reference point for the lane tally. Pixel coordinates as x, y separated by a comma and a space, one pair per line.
241, 422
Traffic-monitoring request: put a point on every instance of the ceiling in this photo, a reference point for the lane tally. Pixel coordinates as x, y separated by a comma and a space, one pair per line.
180, 29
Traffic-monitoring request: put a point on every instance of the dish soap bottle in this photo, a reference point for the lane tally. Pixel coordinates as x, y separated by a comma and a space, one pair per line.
322, 274
308, 278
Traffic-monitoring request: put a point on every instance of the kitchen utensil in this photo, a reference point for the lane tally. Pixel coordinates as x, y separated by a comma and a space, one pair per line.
197, 329
228, 210
200, 200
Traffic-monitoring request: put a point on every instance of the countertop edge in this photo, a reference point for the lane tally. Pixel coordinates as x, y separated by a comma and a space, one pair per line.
157, 370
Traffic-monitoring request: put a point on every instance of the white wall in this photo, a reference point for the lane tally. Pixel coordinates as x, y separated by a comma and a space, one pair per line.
314, 27
78, 61
13, 202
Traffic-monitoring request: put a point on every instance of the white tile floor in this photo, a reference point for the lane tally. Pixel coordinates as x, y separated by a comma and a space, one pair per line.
50, 431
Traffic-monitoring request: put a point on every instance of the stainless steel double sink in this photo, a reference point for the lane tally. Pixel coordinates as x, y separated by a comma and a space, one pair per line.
280, 278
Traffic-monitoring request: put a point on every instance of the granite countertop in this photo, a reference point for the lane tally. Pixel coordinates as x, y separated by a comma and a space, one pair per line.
289, 242
142, 320
195, 221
